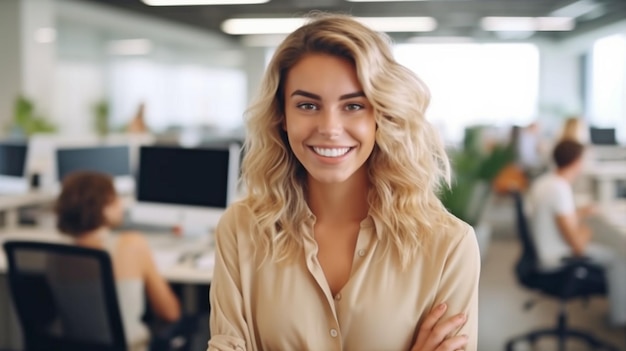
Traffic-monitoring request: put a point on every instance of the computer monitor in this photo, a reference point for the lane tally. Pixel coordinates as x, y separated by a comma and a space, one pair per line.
111, 160
13, 178
602, 136
186, 187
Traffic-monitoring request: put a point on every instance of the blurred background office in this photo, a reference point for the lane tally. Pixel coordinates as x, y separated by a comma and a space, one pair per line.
155, 77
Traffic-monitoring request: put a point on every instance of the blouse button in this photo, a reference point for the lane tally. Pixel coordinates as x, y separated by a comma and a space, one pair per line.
361, 252
338, 297
333, 333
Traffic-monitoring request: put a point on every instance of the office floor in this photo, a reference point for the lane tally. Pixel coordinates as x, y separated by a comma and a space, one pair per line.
501, 305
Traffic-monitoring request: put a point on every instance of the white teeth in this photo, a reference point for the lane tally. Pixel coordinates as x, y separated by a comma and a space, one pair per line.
337, 152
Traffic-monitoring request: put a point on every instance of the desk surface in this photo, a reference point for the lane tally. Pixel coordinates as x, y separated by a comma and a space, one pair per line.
11, 201
167, 252
607, 169
609, 226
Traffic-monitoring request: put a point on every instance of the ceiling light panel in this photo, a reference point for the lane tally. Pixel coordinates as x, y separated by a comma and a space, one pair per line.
201, 2
527, 24
242, 26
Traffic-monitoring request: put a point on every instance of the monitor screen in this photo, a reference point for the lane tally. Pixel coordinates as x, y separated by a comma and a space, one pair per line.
184, 176
602, 136
111, 160
12, 159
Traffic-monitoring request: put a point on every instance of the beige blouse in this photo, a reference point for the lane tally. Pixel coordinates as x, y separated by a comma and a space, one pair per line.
285, 307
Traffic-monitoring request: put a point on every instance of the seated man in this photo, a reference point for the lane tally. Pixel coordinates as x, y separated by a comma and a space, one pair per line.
559, 230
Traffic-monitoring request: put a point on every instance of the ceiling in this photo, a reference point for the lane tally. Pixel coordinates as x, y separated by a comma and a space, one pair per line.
454, 17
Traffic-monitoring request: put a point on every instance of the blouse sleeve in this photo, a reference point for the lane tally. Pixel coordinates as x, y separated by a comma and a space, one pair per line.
459, 285
228, 327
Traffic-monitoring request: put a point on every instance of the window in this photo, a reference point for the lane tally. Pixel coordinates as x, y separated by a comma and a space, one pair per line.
177, 95
495, 84
607, 90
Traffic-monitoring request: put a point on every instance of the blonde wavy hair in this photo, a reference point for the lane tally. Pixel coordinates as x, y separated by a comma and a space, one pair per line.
574, 128
406, 169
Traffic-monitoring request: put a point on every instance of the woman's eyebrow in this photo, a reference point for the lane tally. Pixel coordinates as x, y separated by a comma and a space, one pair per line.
317, 97
352, 95
306, 94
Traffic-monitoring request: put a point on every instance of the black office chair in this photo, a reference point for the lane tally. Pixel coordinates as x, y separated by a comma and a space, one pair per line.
578, 278
65, 299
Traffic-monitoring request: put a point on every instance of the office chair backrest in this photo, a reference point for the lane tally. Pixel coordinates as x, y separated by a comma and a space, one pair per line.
65, 297
527, 264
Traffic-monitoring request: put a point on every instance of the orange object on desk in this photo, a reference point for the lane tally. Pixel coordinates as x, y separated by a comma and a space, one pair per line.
510, 178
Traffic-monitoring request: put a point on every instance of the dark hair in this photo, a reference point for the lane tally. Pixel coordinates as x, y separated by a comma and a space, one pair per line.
567, 152
80, 206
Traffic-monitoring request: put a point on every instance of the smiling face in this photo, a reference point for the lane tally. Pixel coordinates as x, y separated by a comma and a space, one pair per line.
329, 122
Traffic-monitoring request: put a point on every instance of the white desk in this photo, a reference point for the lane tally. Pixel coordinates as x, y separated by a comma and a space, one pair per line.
11, 203
606, 174
609, 226
166, 250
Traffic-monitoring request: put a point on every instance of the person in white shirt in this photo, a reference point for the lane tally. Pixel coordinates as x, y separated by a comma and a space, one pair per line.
559, 230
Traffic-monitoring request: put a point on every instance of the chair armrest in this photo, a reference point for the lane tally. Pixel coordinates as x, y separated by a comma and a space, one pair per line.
581, 276
575, 260
168, 336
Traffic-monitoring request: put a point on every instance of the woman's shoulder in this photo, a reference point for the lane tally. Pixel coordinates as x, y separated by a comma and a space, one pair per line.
237, 213
237, 218
132, 242
452, 232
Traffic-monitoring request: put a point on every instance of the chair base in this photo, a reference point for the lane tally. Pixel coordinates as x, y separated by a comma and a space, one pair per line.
561, 335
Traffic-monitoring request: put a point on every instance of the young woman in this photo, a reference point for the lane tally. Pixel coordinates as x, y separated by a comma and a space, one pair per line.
574, 129
87, 209
341, 242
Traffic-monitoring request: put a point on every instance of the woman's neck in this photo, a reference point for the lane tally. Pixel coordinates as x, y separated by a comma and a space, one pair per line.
95, 238
340, 202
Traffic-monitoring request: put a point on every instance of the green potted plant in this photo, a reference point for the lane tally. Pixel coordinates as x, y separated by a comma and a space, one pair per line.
474, 167
26, 122
101, 117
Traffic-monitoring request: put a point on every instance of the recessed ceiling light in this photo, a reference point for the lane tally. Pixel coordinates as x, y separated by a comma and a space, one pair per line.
239, 26
201, 2
527, 24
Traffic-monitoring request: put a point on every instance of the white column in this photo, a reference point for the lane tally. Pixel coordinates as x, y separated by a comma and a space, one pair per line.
10, 57
27, 54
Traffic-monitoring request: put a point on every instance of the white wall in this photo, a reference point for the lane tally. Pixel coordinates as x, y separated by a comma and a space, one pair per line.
560, 82
254, 67
78, 86
559, 85
177, 51
122, 23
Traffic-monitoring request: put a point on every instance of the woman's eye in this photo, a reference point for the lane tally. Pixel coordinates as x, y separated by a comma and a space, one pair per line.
354, 107
307, 106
